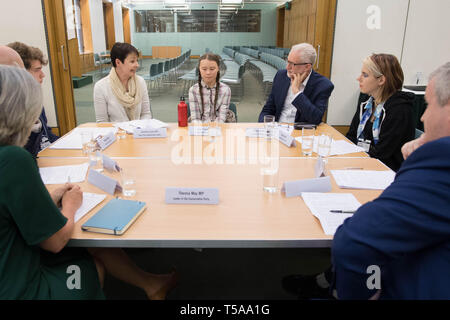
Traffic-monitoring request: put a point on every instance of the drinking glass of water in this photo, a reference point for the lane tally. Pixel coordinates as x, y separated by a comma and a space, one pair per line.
128, 180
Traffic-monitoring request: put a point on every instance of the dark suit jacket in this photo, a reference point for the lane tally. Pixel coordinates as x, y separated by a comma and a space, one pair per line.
312, 102
33, 144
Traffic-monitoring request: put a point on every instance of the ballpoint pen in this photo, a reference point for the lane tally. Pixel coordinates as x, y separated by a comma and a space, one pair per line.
343, 211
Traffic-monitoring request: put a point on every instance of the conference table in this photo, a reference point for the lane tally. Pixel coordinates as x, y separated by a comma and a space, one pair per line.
245, 217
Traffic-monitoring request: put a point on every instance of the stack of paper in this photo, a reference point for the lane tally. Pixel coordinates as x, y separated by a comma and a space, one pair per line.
73, 139
90, 201
320, 205
338, 147
63, 174
129, 126
363, 179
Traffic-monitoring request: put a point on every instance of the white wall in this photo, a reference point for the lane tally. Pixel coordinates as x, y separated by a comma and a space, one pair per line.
97, 26
415, 31
353, 41
427, 38
23, 20
118, 22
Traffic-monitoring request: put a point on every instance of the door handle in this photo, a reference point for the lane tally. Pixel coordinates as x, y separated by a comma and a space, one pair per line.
63, 60
318, 56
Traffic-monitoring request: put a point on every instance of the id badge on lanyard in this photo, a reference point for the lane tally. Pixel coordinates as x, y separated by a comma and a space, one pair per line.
365, 144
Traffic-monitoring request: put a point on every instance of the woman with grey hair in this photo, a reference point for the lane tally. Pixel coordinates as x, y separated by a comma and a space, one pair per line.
33, 232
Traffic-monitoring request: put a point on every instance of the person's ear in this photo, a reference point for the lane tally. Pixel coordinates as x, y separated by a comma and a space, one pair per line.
118, 62
381, 80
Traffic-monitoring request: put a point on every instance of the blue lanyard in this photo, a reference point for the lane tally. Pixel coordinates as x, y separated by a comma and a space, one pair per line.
366, 116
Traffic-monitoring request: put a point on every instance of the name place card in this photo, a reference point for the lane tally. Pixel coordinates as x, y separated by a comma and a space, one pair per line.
256, 133
106, 140
110, 164
285, 137
295, 188
103, 182
176, 195
150, 133
319, 168
204, 131
198, 131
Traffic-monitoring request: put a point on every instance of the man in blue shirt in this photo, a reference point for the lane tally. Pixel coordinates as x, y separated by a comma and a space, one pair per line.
398, 246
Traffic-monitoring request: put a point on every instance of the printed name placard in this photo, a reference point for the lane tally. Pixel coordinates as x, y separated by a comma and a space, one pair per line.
319, 167
285, 137
256, 133
106, 140
295, 188
103, 182
110, 164
175, 195
198, 131
150, 133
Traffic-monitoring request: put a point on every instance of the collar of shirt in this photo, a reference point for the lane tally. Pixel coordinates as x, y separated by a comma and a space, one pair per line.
204, 85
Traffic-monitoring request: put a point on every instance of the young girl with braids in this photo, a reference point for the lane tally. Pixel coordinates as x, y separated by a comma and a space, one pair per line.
209, 98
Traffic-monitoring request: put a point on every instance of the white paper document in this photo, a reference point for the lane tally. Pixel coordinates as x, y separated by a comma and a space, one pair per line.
73, 139
338, 147
90, 201
63, 174
363, 179
130, 126
320, 205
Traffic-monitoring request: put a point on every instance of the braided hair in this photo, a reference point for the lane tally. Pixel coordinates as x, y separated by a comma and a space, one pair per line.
215, 58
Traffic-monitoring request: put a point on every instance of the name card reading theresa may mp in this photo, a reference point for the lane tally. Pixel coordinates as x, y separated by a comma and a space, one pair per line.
176, 195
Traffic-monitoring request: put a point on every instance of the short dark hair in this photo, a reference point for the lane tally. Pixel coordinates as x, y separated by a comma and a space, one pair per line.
28, 54
121, 50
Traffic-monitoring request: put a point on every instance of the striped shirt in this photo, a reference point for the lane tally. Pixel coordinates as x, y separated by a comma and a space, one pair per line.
209, 94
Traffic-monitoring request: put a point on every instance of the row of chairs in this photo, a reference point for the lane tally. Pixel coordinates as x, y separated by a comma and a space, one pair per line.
102, 59
279, 52
165, 72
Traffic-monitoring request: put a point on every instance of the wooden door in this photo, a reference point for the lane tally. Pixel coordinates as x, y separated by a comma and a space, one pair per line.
126, 25
324, 35
60, 64
280, 27
110, 33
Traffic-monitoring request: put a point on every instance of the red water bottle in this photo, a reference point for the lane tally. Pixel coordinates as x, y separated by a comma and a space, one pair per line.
182, 113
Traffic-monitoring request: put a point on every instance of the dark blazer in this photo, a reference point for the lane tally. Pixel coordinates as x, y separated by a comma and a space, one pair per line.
33, 144
312, 102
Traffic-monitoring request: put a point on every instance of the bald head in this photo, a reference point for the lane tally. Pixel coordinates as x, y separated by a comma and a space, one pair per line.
10, 57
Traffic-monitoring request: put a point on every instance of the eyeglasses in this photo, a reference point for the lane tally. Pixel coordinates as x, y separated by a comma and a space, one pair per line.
296, 64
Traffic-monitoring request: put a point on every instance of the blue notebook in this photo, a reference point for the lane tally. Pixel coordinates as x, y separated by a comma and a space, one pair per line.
115, 217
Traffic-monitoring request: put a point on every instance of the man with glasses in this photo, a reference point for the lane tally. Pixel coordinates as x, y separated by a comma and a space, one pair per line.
299, 94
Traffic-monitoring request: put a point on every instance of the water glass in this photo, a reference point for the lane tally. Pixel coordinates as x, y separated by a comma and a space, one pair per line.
95, 159
308, 133
86, 141
121, 133
270, 179
128, 181
324, 145
269, 125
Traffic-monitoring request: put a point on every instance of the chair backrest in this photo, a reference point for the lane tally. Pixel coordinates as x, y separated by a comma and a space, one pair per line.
96, 57
161, 67
232, 107
153, 70
167, 65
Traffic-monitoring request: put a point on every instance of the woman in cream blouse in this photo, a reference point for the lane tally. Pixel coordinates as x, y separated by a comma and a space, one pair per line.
122, 95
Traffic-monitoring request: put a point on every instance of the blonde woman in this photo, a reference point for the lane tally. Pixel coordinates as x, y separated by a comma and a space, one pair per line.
122, 95
383, 123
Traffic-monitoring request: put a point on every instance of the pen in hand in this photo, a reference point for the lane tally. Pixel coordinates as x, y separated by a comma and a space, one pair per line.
343, 211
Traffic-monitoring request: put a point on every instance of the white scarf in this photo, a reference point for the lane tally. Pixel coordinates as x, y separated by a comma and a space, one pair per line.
129, 99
